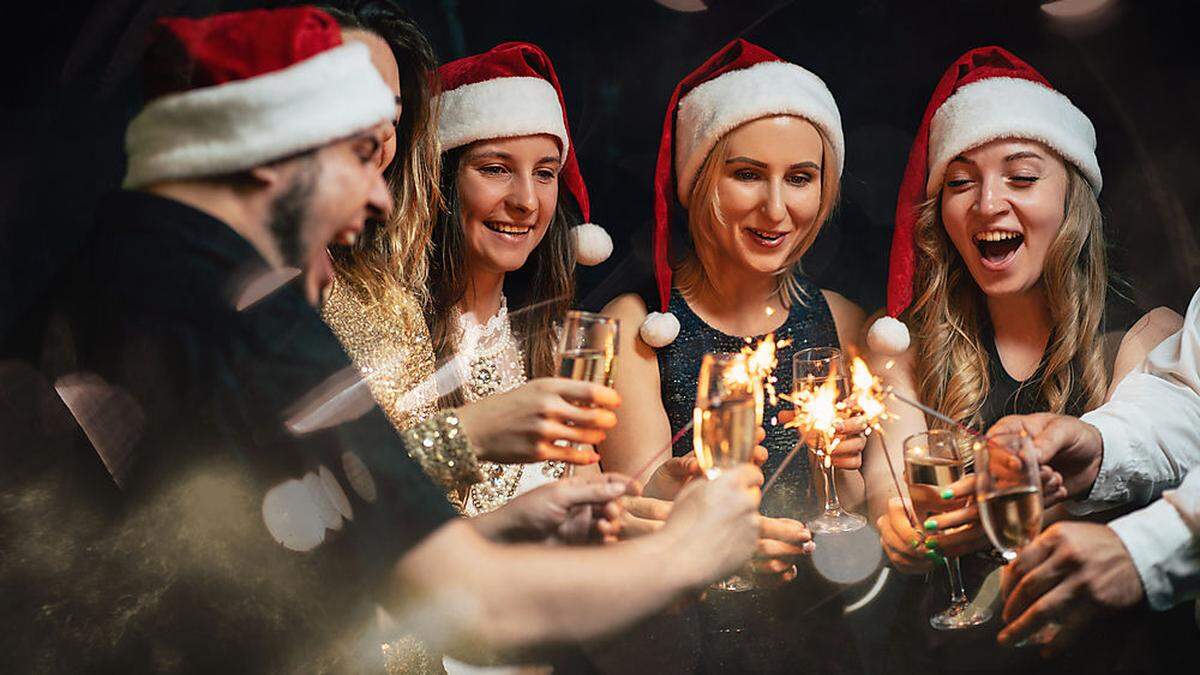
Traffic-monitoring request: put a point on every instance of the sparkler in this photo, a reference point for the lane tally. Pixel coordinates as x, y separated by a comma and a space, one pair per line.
758, 367
933, 413
817, 409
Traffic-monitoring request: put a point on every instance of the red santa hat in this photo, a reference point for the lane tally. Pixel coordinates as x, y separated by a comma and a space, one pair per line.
509, 91
740, 83
246, 88
985, 95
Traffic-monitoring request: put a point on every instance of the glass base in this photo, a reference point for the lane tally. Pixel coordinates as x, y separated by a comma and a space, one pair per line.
960, 615
835, 521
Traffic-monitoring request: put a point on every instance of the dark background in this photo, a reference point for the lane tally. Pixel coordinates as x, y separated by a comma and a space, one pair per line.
73, 85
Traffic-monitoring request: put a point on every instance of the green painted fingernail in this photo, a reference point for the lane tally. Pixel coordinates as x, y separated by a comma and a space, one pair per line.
947, 493
916, 543
931, 544
932, 555
931, 524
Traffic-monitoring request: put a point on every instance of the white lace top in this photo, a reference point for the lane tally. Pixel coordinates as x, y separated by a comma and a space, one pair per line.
491, 362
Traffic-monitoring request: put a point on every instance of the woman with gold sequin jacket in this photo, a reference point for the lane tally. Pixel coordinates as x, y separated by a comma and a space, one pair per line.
375, 304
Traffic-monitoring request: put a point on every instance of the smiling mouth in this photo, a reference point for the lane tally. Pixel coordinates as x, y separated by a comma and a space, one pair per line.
997, 246
767, 238
508, 228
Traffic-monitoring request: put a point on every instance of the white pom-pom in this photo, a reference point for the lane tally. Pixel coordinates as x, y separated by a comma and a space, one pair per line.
592, 244
659, 329
888, 336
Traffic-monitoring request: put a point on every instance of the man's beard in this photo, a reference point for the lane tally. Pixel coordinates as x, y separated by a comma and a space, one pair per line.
291, 211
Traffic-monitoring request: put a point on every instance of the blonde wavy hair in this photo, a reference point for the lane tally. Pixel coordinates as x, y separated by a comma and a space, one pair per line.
704, 254
951, 358
396, 251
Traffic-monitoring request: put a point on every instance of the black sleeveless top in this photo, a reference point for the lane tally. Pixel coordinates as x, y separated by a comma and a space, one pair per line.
1007, 396
975, 649
809, 324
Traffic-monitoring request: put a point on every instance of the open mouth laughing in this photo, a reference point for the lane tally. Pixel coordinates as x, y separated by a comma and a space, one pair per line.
997, 247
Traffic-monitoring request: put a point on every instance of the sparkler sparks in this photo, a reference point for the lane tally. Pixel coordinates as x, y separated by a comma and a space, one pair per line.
761, 361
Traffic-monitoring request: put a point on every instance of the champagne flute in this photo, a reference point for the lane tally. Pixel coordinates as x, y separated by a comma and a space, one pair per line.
587, 351
587, 347
932, 461
724, 426
1008, 488
812, 369
1009, 491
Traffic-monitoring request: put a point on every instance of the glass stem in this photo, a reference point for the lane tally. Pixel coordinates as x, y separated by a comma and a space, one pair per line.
831, 497
958, 595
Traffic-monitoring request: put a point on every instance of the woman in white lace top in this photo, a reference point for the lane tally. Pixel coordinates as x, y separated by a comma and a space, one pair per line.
512, 193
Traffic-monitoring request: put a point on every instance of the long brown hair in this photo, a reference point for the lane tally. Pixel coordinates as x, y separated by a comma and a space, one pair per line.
397, 251
548, 278
705, 214
952, 361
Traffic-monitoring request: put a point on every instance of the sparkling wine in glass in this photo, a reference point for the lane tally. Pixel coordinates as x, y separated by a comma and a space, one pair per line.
587, 351
1009, 491
587, 347
813, 369
723, 433
933, 460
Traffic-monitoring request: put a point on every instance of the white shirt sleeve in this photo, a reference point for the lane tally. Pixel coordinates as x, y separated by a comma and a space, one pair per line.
1163, 540
1151, 432
1151, 427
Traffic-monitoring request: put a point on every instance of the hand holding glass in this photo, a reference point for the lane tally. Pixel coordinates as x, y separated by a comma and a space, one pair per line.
933, 460
724, 425
587, 351
815, 369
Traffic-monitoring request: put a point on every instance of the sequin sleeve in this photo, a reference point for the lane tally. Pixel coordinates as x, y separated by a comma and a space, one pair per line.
389, 343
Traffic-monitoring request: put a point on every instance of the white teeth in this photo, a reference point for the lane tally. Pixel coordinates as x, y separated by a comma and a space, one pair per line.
996, 235
772, 236
509, 229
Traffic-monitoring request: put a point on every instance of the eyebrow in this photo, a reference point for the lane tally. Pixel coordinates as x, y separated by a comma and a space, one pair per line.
762, 165
488, 154
549, 159
1024, 154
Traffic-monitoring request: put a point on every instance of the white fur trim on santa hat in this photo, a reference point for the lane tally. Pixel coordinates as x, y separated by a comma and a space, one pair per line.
501, 108
718, 106
888, 336
592, 244
238, 125
1008, 107
659, 329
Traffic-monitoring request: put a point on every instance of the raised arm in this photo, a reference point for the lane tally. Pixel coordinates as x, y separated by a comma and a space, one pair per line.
638, 444
466, 596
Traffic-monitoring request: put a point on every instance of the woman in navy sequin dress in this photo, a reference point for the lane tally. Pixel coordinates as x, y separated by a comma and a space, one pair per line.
753, 152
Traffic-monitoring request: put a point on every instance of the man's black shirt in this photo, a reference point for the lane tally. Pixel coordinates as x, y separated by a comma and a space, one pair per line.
206, 555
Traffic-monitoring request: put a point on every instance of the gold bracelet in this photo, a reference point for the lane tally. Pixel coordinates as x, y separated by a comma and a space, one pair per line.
440, 445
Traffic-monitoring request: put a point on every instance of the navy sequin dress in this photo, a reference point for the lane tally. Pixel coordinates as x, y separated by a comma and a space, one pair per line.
796, 628
808, 324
